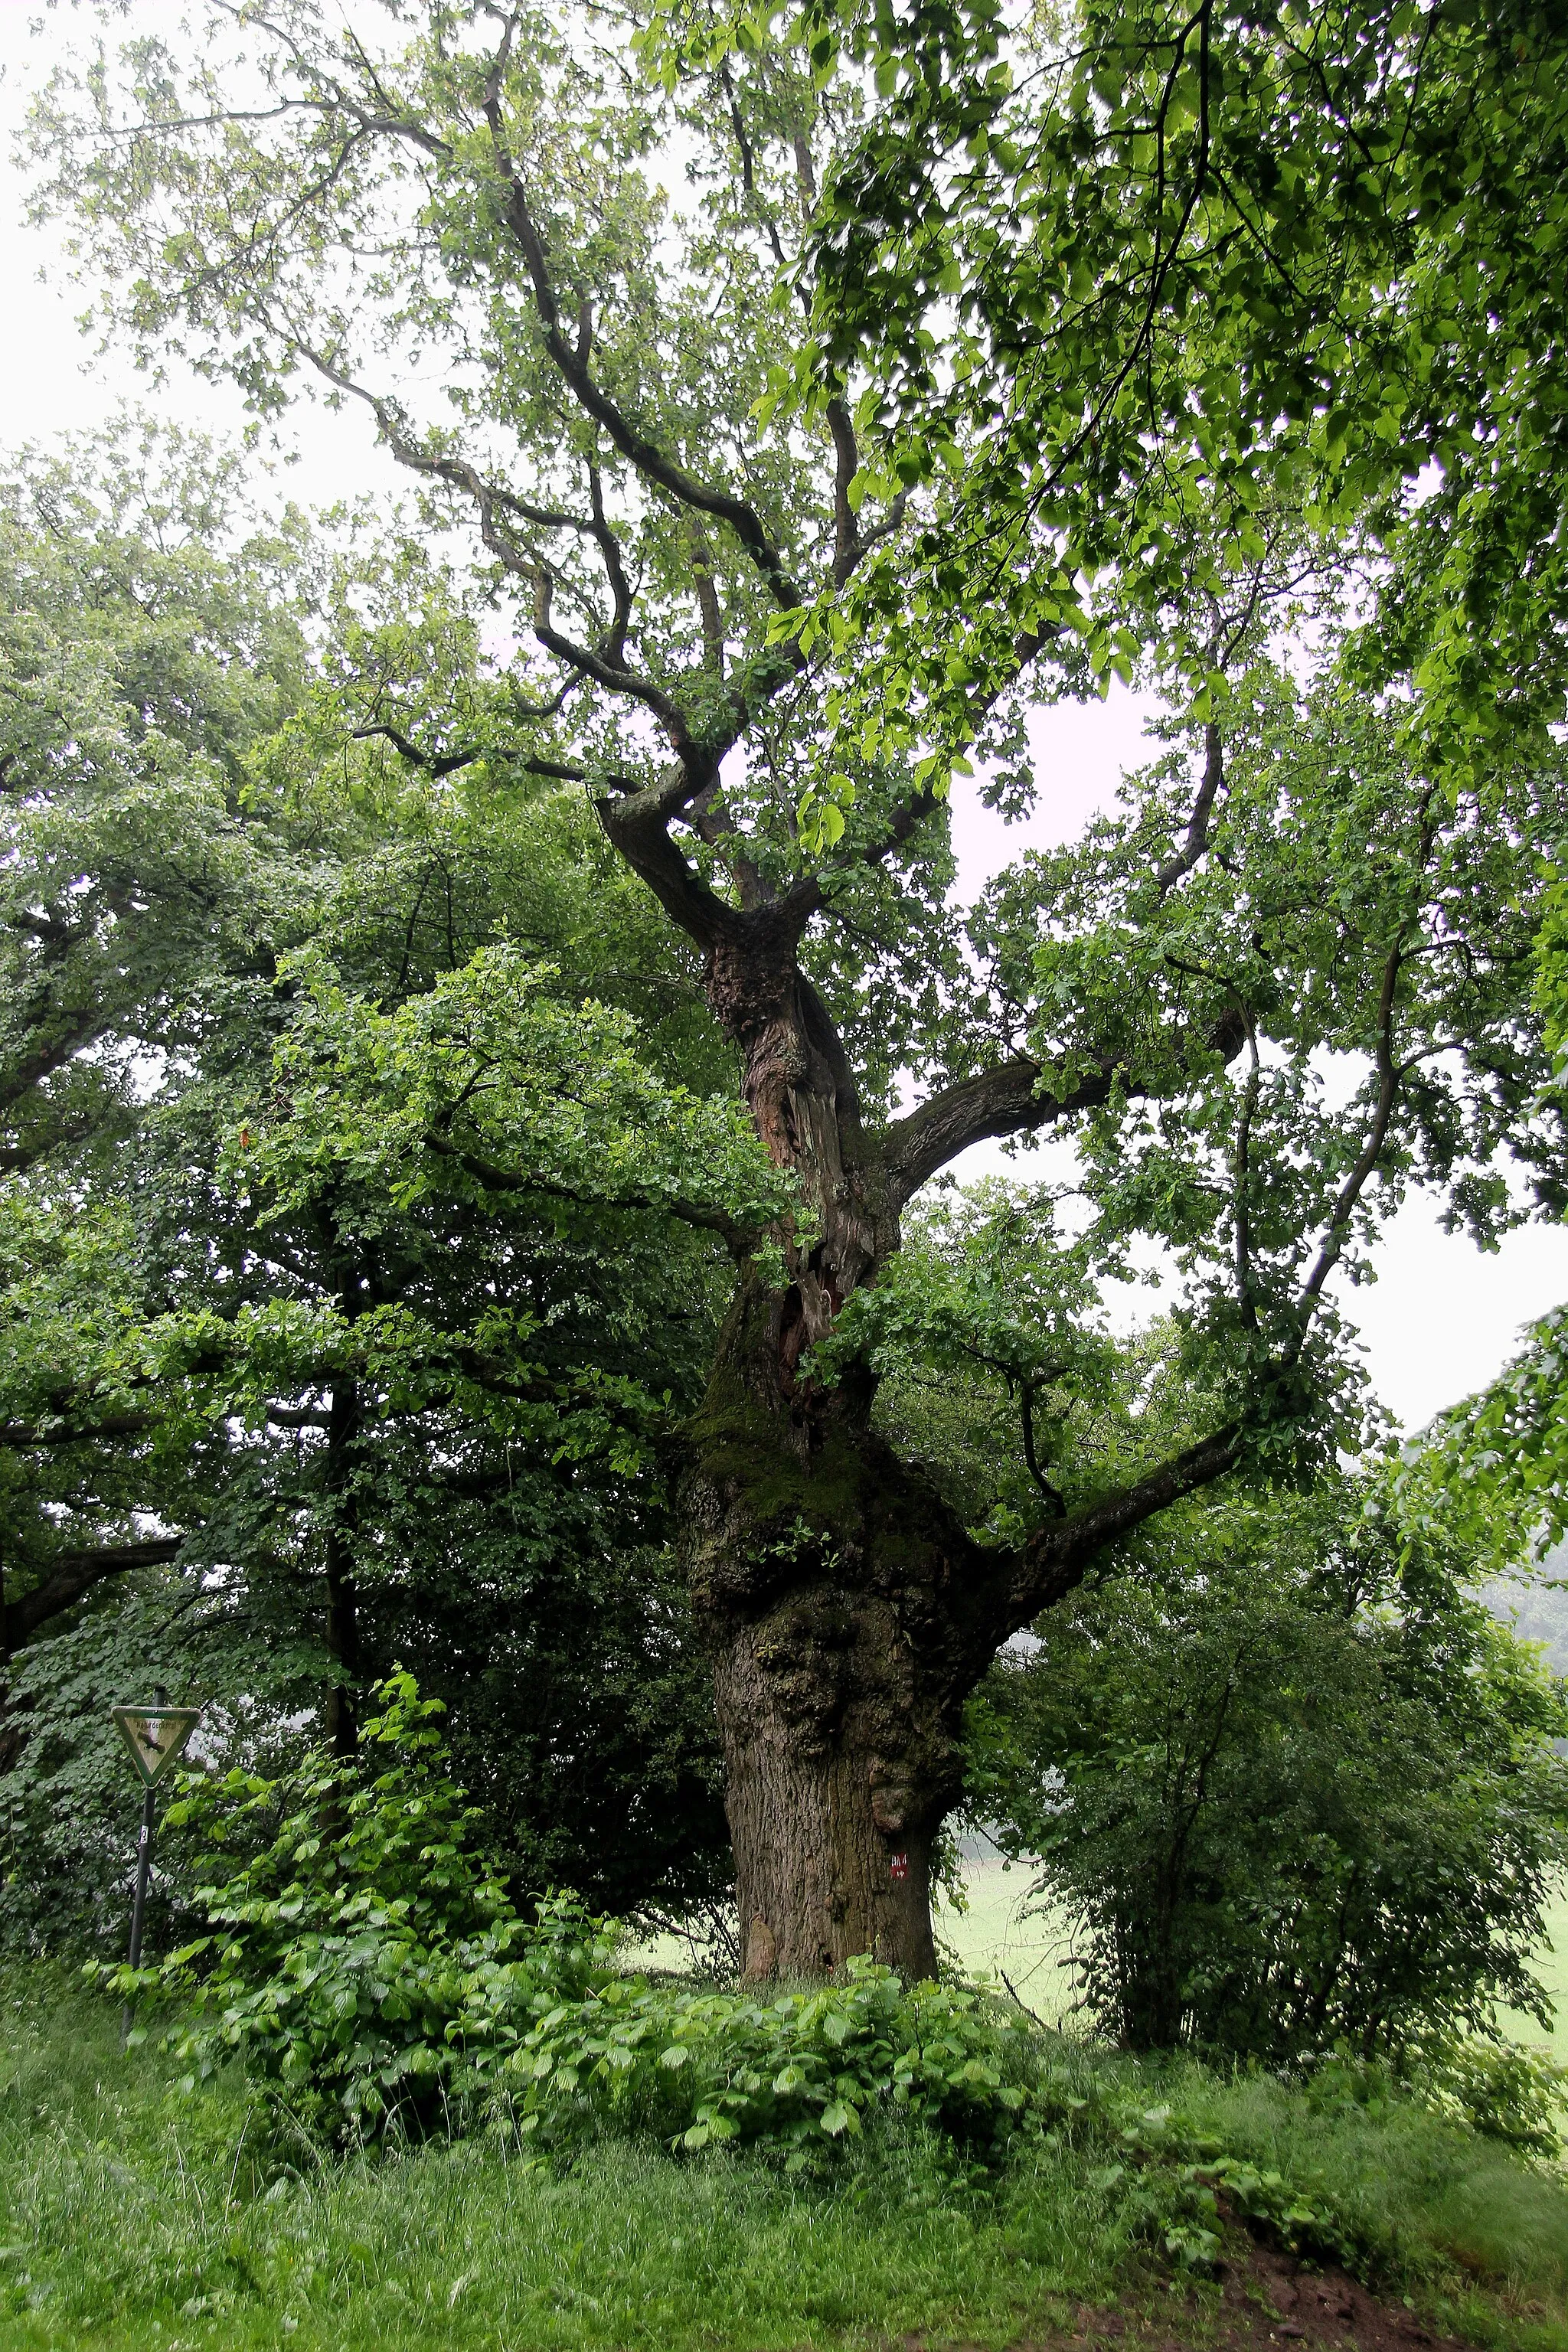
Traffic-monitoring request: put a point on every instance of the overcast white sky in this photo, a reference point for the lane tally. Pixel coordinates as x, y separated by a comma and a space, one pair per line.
1443, 1317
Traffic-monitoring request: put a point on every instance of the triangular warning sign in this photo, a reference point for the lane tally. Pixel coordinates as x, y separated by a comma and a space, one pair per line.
155, 1736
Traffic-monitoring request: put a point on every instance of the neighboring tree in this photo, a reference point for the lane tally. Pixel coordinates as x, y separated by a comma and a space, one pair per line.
70, 1804
457, 1380
1284, 892
1293, 1787
192, 1369
418, 1429
153, 634
1535, 1606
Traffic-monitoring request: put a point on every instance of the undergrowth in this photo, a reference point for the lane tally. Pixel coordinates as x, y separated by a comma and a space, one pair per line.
136, 2211
374, 2104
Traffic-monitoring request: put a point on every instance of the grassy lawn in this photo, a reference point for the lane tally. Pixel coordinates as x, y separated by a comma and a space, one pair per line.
133, 2215
1552, 1970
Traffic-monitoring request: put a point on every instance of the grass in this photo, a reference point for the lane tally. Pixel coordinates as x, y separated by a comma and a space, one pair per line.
129, 2213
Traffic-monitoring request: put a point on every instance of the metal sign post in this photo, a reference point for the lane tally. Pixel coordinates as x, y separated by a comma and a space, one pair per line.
156, 1737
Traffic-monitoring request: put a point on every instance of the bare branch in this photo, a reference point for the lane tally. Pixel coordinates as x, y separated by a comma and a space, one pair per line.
1053, 1495
711, 819
650, 461
1004, 1101
1389, 1075
591, 665
1182, 861
1056, 1558
23, 1436
638, 826
83, 1025
1241, 1212
613, 643
434, 764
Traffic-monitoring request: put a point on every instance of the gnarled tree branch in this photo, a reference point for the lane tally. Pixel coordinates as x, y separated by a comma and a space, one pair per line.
73, 1574
1002, 1101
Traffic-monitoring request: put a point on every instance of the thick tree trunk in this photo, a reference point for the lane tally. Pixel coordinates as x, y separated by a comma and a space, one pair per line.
837, 1592
847, 1614
817, 1876
842, 1601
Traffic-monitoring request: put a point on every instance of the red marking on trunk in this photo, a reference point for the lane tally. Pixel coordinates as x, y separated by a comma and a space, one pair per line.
897, 1865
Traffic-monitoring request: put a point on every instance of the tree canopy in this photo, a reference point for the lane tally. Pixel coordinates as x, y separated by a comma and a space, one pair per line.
1149, 272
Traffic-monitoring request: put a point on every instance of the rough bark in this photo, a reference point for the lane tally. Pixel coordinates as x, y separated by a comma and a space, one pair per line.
834, 1588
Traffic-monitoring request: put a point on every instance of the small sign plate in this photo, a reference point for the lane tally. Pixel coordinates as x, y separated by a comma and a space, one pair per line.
155, 1736
897, 1865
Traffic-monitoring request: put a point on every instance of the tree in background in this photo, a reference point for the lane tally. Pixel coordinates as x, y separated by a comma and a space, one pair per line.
1290, 885
1292, 1785
323, 1421
1497, 1466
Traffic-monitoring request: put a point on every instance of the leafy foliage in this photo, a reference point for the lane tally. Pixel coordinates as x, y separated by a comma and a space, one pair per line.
356, 1929
1296, 1789
1497, 1466
1167, 266
701, 2068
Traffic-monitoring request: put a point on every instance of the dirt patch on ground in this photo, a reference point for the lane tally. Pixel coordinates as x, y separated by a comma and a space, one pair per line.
1267, 2298
1261, 2302
1268, 2301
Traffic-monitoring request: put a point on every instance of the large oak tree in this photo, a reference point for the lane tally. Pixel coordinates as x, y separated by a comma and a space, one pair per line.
451, 216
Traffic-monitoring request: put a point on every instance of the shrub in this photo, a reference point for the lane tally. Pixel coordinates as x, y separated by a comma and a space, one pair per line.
700, 2067
1297, 1790
358, 1924
366, 1966
1497, 2089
